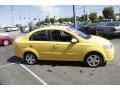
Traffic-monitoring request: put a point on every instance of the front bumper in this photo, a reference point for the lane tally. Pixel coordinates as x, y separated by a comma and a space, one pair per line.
109, 54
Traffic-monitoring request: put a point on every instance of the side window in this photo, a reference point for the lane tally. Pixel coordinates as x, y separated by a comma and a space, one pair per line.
62, 36
40, 36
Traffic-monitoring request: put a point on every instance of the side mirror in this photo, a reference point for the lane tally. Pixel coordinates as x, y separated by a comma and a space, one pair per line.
74, 40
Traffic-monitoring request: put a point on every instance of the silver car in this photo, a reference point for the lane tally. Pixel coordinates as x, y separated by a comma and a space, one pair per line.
110, 29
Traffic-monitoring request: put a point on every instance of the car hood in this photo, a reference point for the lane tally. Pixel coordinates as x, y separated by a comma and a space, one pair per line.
99, 40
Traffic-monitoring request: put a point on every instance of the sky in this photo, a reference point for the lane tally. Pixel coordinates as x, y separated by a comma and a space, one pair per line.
22, 14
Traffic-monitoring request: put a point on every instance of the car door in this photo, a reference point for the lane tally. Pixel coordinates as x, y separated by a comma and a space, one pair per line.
62, 48
40, 41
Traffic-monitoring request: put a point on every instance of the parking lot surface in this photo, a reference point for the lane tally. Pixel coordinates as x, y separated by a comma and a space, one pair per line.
13, 72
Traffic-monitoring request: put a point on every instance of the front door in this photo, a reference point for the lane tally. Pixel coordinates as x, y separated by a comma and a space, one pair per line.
62, 48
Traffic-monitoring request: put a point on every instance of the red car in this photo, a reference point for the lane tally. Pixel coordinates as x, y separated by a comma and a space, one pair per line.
5, 39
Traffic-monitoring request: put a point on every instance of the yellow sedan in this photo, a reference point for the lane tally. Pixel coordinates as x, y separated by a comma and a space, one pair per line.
63, 44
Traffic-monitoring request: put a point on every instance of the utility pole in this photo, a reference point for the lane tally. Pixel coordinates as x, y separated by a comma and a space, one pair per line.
12, 15
48, 17
84, 14
119, 13
20, 21
74, 17
39, 22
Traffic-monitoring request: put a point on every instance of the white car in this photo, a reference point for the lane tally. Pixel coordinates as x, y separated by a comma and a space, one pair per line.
24, 29
9, 29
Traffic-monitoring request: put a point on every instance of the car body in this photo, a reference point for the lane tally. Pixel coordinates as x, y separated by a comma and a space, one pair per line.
9, 29
24, 29
78, 25
111, 29
5, 39
89, 28
100, 25
63, 44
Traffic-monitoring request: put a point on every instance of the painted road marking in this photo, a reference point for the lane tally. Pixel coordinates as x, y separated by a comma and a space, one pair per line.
6, 65
38, 78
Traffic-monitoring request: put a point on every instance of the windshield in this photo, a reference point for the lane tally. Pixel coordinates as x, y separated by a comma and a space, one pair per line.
79, 33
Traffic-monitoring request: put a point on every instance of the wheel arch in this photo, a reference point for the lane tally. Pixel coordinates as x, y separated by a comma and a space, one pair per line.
30, 50
94, 50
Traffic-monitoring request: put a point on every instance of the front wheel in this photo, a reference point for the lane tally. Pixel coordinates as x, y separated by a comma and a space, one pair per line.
30, 58
93, 60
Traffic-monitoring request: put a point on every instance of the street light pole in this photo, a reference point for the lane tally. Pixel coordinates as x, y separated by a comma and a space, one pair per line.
84, 14
74, 17
12, 15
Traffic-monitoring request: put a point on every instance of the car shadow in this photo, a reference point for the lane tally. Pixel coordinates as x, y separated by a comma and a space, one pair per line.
17, 60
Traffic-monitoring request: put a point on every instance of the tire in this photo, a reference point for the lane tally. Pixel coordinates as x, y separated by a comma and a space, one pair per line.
30, 58
93, 60
5, 42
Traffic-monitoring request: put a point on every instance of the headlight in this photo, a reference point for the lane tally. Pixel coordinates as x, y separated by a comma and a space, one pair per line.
107, 46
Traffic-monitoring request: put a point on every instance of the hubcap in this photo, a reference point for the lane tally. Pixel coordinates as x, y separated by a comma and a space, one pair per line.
30, 59
93, 60
6, 42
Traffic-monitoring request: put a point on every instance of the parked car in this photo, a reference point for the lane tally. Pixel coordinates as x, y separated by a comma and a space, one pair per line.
5, 39
63, 44
9, 29
111, 29
78, 26
89, 28
99, 26
24, 29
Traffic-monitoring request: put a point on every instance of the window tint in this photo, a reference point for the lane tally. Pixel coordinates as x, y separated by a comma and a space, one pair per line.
58, 35
40, 36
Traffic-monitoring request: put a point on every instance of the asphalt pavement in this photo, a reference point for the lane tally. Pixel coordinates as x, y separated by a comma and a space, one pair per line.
13, 72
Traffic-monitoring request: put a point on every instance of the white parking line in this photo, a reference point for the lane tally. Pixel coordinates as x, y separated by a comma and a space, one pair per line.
6, 65
38, 78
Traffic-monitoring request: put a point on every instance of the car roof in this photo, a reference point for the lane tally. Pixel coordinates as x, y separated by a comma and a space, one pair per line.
53, 27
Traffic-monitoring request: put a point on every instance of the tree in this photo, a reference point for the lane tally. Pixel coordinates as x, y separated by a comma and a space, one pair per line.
60, 20
108, 13
81, 19
93, 16
100, 18
30, 24
42, 22
18, 25
52, 20
71, 19
38, 24
66, 19
47, 20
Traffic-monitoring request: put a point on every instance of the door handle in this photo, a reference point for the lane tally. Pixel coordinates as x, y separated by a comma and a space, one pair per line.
56, 46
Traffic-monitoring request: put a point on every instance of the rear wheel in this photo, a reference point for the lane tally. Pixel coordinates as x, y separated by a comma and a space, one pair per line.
30, 58
5, 43
93, 60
